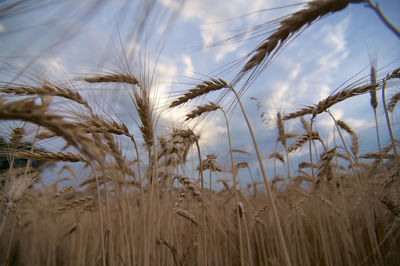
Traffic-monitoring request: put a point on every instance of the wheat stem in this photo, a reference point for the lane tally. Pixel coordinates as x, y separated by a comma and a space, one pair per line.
266, 183
203, 208
384, 19
103, 250
385, 108
310, 150
234, 171
142, 197
349, 154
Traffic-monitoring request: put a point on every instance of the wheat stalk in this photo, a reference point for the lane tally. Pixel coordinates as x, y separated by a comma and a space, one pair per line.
377, 155
201, 110
288, 28
64, 191
394, 74
179, 199
28, 110
277, 223
50, 156
304, 165
282, 137
144, 109
199, 90
114, 78
324, 105
211, 164
276, 155
354, 138
384, 19
373, 100
171, 248
324, 166
47, 89
302, 140
75, 203
189, 185
16, 135
241, 165
393, 101
185, 214
187, 250
374, 104
116, 153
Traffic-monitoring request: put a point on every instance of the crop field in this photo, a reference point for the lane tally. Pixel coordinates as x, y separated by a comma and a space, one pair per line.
148, 193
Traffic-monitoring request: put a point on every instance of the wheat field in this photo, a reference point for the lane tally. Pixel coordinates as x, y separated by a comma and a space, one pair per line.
165, 204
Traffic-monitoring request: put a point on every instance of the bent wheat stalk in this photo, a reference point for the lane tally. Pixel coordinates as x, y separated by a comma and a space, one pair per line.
50, 156
27, 110
266, 183
388, 119
324, 105
393, 101
199, 90
203, 208
209, 108
287, 29
384, 19
236, 192
47, 89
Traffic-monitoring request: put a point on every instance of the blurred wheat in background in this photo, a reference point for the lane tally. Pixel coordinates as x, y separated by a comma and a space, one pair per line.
82, 186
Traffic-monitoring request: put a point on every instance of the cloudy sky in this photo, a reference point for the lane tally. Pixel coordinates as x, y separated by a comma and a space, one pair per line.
185, 42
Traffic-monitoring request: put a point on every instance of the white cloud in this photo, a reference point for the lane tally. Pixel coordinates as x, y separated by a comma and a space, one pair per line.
333, 54
2, 29
309, 73
167, 71
360, 124
326, 126
278, 99
212, 138
295, 71
172, 4
189, 68
52, 65
210, 15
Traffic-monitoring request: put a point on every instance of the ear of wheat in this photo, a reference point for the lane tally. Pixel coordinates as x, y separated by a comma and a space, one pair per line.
288, 28
199, 90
